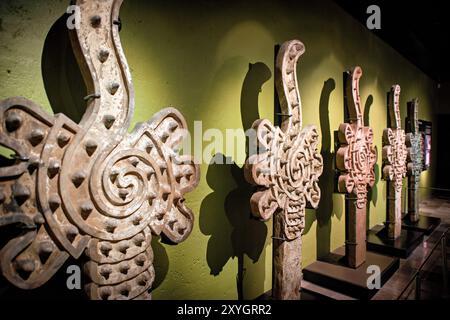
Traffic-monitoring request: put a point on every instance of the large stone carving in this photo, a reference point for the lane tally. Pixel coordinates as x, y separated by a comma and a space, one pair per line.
286, 170
394, 162
414, 165
355, 159
93, 188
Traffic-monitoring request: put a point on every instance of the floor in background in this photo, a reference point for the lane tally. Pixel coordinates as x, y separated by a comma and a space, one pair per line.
428, 255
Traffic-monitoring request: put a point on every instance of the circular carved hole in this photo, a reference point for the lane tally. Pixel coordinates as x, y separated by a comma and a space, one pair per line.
142, 282
105, 293
110, 228
105, 249
96, 21
123, 248
124, 269
137, 221
125, 292
140, 260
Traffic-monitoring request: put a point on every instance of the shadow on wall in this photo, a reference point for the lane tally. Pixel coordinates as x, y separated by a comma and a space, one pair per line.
160, 262
62, 77
225, 214
372, 195
258, 73
326, 180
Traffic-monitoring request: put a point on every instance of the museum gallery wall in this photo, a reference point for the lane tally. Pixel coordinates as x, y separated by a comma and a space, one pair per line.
217, 66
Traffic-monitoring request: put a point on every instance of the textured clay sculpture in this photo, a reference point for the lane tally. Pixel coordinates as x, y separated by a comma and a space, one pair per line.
93, 188
286, 170
414, 165
355, 159
394, 163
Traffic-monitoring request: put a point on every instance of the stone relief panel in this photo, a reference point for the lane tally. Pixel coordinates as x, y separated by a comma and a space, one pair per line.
414, 158
394, 162
355, 160
286, 170
92, 188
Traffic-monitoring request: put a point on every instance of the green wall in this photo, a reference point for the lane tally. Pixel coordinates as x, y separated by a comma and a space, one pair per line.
195, 55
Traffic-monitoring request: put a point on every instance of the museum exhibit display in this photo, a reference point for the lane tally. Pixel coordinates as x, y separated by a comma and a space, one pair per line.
392, 239
345, 269
414, 165
355, 159
394, 163
414, 142
286, 169
255, 154
425, 129
92, 189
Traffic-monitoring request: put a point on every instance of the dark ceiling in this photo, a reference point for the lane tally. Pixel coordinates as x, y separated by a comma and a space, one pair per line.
419, 30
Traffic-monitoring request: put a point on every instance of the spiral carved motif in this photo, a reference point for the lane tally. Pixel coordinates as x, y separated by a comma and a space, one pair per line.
356, 156
92, 187
288, 165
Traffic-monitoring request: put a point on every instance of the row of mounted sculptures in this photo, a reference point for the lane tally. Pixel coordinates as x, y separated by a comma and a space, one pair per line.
94, 189
288, 170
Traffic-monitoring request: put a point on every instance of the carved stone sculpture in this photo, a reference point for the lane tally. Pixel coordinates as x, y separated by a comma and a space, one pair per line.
414, 165
394, 163
355, 159
93, 188
286, 170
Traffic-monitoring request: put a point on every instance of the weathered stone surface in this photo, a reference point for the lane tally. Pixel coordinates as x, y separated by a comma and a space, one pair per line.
394, 163
286, 170
355, 159
414, 165
93, 187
